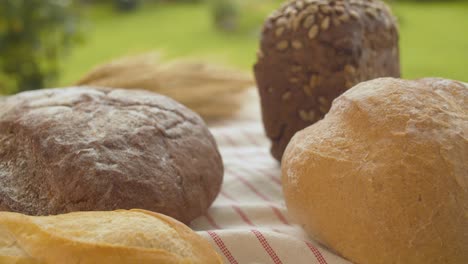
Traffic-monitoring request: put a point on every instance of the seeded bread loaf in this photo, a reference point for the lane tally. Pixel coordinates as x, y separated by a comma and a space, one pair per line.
85, 149
311, 51
117, 237
383, 178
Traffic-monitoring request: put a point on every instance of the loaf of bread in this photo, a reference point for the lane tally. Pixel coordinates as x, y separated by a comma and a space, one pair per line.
311, 51
85, 149
213, 91
383, 178
116, 237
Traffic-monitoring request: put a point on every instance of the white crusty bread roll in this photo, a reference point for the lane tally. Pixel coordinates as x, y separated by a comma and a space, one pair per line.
117, 237
383, 178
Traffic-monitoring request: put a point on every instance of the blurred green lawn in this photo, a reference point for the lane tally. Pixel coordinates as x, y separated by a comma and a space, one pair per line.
433, 37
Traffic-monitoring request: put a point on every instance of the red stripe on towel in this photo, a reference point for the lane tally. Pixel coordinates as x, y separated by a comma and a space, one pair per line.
219, 242
275, 179
223, 193
267, 247
249, 185
316, 253
280, 216
242, 214
212, 221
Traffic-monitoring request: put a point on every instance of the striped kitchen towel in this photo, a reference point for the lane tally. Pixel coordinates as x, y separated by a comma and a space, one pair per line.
248, 222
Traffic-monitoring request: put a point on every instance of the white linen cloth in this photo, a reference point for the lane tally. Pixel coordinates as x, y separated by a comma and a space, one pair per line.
248, 222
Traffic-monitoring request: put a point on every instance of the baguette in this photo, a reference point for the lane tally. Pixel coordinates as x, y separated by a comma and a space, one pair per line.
11, 252
118, 237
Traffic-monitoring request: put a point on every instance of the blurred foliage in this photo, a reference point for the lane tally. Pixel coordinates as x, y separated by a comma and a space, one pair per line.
433, 36
126, 5
131, 5
241, 15
225, 14
34, 34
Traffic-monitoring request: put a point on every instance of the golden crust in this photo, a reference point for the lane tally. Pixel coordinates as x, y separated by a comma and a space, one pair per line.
48, 246
383, 177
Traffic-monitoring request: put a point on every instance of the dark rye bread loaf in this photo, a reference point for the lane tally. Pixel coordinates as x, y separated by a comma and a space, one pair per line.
312, 51
84, 149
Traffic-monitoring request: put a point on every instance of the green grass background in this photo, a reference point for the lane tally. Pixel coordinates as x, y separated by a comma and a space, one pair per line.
433, 37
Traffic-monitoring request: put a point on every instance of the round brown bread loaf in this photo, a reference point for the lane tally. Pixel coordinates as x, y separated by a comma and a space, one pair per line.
312, 51
383, 178
84, 149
